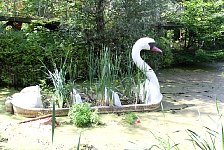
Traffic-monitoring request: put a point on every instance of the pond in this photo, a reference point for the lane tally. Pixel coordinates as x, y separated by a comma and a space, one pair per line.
189, 103
204, 82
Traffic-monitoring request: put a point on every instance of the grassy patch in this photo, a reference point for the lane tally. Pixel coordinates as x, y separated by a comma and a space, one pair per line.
82, 115
130, 118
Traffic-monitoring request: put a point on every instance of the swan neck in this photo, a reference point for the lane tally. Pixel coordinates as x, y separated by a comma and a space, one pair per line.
141, 64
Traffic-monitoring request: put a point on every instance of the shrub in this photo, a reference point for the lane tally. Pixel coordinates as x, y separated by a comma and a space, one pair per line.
130, 118
82, 115
201, 55
23, 53
167, 58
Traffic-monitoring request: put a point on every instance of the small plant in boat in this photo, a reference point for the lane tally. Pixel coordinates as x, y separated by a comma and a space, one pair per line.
62, 87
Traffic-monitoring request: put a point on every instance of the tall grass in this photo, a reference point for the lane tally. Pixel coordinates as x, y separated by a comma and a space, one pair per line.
61, 88
58, 78
164, 144
104, 72
92, 66
202, 142
213, 139
128, 77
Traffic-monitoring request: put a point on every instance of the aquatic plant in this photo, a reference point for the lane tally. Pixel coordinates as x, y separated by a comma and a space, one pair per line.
82, 115
164, 144
103, 74
130, 118
61, 88
212, 139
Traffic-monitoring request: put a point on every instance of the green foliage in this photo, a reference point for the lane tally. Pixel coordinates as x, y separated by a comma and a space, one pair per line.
19, 59
130, 118
216, 55
212, 139
203, 18
21, 54
201, 25
201, 56
82, 115
92, 25
165, 144
167, 58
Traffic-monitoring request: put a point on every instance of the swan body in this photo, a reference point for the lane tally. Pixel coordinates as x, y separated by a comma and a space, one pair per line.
149, 90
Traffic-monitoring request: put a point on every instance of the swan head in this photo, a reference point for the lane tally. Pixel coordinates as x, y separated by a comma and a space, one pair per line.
147, 43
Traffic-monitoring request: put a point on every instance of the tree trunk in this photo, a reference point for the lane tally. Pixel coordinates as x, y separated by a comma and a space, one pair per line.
100, 24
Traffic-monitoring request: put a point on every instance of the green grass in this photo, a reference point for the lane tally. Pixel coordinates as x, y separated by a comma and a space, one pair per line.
58, 77
164, 143
210, 140
130, 118
105, 74
83, 116
217, 55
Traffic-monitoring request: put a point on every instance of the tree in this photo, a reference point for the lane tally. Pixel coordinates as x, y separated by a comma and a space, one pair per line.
203, 21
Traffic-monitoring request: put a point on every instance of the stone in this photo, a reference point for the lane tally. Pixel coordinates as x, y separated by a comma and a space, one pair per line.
76, 97
116, 99
8, 106
28, 97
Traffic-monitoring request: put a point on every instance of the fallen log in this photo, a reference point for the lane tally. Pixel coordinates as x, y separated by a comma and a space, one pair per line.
42, 120
37, 118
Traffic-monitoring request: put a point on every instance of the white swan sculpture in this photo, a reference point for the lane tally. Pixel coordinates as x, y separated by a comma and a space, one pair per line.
150, 90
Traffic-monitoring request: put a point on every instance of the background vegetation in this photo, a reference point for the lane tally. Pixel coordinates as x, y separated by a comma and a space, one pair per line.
187, 32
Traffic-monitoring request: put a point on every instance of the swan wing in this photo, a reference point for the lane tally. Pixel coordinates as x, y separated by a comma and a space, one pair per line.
153, 95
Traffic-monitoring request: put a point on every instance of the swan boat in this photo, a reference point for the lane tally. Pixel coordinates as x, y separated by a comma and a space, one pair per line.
149, 94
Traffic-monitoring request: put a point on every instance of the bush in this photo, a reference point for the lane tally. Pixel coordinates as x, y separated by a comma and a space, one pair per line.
82, 115
201, 55
23, 53
167, 59
130, 118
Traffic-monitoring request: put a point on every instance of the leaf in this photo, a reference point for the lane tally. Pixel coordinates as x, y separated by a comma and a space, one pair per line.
53, 122
78, 146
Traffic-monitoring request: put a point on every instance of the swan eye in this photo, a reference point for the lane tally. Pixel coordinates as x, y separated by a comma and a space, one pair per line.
152, 45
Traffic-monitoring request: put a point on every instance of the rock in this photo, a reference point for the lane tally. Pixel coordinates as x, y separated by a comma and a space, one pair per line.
28, 97
8, 106
76, 97
116, 99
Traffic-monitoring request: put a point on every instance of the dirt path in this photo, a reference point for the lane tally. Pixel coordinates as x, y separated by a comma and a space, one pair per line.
188, 103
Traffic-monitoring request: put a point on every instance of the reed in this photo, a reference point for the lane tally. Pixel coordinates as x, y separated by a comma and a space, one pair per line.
212, 139
164, 144
58, 78
104, 74
110, 71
